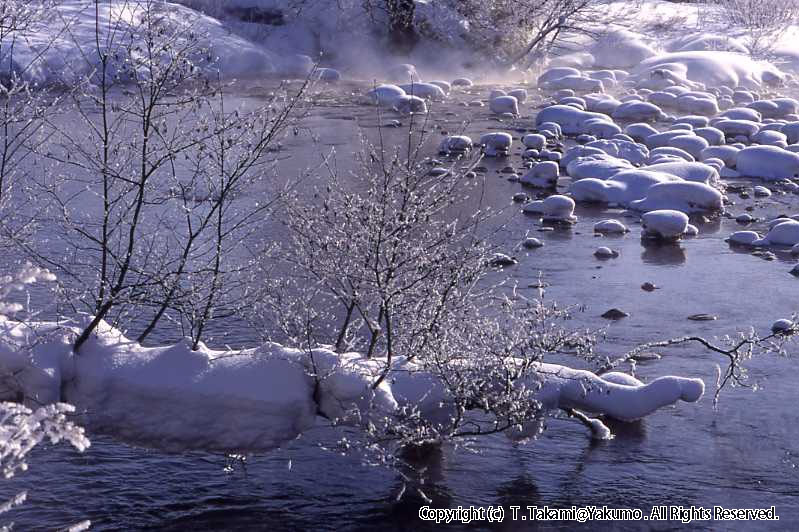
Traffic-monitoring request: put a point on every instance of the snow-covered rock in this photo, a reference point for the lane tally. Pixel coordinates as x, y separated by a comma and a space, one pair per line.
782, 234
664, 224
610, 226
555, 208
496, 144
386, 95
427, 91
685, 196
543, 175
504, 104
457, 144
767, 162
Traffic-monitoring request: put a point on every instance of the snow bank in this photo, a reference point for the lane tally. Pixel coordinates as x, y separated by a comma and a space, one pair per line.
56, 56
255, 400
709, 68
767, 162
569, 388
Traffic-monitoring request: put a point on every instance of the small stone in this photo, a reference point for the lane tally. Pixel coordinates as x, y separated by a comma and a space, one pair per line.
615, 314
538, 284
545, 229
532, 243
795, 271
508, 170
646, 357
501, 260
762, 192
702, 317
606, 253
745, 219
785, 327
520, 197
649, 287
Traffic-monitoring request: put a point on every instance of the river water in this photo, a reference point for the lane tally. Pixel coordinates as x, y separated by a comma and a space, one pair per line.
744, 454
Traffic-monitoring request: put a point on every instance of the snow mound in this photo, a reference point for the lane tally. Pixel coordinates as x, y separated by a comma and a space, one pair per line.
570, 388
504, 104
620, 49
543, 175
770, 163
555, 208
455, 144
610, 226
710, 68
664, 224
785, 233
496, 144
684, 196
49, 56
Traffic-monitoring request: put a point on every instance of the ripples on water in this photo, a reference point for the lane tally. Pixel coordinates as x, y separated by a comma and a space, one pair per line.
744, 455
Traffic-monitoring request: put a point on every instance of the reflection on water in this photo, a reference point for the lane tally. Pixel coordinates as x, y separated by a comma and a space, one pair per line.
662, 253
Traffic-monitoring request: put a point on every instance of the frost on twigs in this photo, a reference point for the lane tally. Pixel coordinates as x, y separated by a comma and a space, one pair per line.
22, 429
27, 275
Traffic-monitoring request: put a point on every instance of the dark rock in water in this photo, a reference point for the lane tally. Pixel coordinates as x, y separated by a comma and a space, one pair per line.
538, 284
649, 287
795, 271
786, 327
508, 170
646, 356
703, 317
520, 197
500, 260
615, 314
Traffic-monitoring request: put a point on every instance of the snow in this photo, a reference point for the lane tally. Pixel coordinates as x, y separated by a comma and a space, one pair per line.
596, 166
728, 154
543, 175
386, 95
636, 154
570, 388
691, 144
784, 233
496, 144
637, 111
426, 91
410, 105
710, 68
556, 208
65, 56
572, 121
255, 400
457, 144
745, 238
690, 171
770, 163
619, 49
684, 196
504, 104
534, 141
664, 224
610, 226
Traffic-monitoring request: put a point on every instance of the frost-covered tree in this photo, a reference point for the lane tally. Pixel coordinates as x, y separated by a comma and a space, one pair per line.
148, 197
22, 108
764, 21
